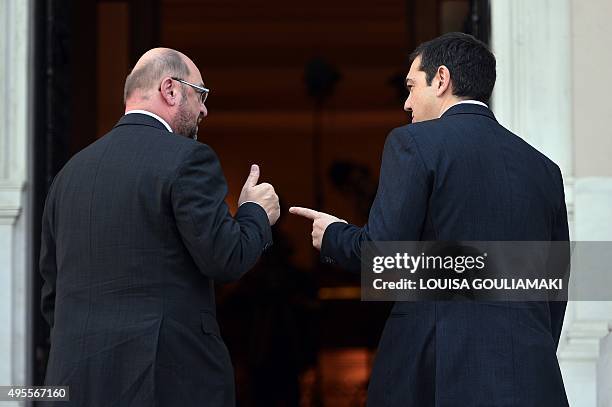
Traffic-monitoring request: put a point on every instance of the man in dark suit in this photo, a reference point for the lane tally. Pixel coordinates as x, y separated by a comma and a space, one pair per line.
455, 174
134, 233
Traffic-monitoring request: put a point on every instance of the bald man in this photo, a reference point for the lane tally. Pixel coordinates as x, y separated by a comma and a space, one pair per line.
135, 231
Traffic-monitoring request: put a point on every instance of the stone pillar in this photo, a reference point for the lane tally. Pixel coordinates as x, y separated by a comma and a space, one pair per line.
15, 266
544, 54
531, 41
604, 371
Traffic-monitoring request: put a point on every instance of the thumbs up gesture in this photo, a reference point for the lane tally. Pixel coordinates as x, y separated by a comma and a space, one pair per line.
262, 194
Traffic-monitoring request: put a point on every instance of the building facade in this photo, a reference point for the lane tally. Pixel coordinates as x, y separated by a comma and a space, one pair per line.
552, 89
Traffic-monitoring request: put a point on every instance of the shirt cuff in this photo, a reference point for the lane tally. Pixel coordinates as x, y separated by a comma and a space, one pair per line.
252, 202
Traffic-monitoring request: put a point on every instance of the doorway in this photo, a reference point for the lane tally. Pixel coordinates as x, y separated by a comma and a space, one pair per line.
309, 92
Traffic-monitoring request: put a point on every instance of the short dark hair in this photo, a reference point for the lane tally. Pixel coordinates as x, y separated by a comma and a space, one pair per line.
471, 64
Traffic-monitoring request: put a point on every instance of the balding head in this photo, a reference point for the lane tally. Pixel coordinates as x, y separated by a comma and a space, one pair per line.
154, 65
167, 83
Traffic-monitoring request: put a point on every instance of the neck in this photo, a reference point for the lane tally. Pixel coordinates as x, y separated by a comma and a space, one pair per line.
448, 102
143, 106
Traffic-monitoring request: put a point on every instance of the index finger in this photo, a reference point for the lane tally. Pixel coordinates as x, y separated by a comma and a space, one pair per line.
305, 212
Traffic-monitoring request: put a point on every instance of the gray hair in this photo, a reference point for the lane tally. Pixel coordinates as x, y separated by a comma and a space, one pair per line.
168, 63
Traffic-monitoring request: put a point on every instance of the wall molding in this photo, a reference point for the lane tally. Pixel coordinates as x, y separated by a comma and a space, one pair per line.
11, 205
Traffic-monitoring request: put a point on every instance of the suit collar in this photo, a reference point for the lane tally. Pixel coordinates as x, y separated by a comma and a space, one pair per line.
141, 120
469, 108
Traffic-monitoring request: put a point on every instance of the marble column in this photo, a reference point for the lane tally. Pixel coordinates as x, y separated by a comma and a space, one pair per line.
604, 371
15, 263
530, 40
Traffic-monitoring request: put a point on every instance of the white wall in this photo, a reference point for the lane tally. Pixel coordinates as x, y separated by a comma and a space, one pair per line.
591, 86
591, 62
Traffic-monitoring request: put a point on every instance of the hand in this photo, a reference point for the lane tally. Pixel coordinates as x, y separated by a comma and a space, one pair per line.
320, 222
262, 194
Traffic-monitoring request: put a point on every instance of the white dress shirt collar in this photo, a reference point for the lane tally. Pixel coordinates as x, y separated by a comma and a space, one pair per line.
153, 115
469, 101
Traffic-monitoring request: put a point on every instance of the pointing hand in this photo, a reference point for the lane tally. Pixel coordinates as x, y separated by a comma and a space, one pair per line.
320, 222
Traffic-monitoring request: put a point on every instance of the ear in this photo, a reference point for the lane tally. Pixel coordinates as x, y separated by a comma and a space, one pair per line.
443, 79
169, 91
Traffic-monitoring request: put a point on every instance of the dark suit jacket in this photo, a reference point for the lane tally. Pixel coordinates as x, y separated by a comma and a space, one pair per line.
463, 177
135, 230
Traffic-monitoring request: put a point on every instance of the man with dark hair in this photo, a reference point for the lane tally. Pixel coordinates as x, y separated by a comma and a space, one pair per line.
455, 174
470, 61
135, 231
